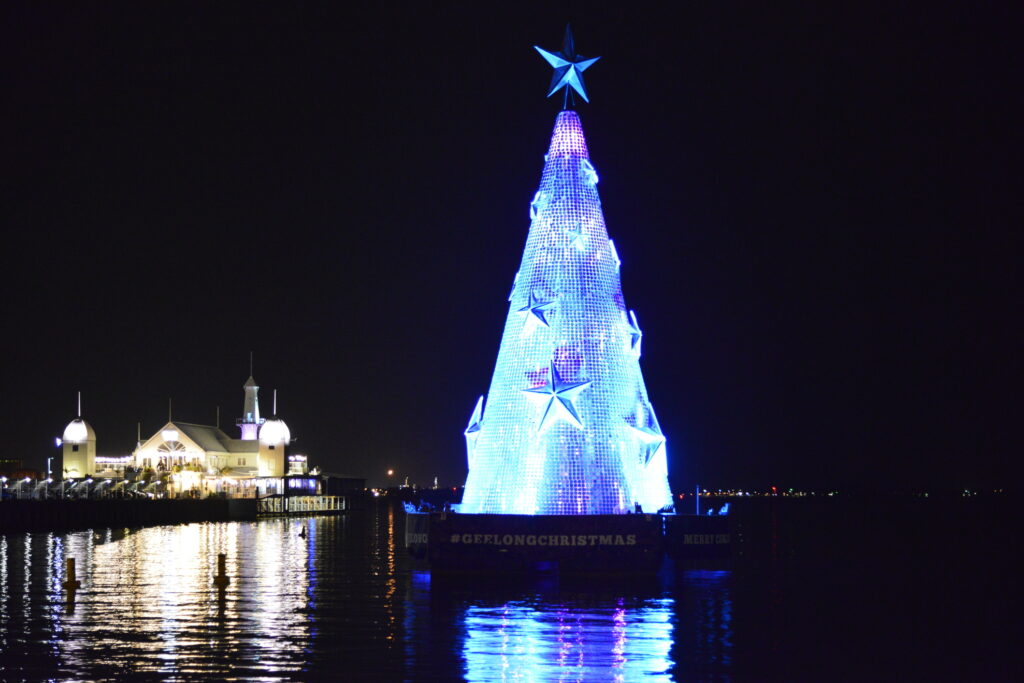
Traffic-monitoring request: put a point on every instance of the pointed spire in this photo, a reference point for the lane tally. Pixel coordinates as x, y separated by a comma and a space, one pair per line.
79, 413
275, 403
251, 382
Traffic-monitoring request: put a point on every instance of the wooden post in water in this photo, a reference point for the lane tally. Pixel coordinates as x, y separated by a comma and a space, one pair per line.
72, 583
222, 579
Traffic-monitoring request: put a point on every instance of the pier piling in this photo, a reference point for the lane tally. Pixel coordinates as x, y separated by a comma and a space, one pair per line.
72, 583
221, 580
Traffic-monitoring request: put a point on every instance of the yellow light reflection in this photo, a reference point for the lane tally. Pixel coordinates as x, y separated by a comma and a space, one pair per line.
170, 621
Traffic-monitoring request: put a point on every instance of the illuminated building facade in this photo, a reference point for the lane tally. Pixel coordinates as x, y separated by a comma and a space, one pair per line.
567, 427
199, 448
196, 453
196, 457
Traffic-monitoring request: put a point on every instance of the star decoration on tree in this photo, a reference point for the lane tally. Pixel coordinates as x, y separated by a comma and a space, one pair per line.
557, 399
536, 204
536, 312
644, 428
615, 255
568, 66
650, 439
635, 335
577, 237
589, 172
473, 430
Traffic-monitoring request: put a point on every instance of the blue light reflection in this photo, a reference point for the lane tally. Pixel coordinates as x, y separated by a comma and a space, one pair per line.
521, 641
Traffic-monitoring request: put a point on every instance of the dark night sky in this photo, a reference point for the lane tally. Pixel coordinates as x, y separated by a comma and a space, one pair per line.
817, 211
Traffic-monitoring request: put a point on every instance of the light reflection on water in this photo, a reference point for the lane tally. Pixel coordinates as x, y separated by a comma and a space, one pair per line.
516, 641
345, 601
148, 605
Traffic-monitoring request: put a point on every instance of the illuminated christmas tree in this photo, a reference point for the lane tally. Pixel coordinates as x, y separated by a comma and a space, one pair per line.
567, 427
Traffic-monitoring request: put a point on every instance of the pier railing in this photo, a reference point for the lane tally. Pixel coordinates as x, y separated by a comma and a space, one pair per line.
300, 505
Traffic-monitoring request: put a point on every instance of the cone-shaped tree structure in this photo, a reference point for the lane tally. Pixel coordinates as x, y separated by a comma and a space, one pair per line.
567, 427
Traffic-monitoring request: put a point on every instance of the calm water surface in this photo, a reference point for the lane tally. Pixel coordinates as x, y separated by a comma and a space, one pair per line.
346, 603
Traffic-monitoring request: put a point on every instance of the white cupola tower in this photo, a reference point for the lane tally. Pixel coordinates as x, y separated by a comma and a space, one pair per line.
274, 439
250, 421
78, 447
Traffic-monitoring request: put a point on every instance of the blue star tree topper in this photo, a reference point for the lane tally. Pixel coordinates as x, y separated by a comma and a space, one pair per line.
568, 66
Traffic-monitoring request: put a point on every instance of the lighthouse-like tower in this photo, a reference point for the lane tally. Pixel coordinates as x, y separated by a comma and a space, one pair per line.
78, 447
567, 427
250, 421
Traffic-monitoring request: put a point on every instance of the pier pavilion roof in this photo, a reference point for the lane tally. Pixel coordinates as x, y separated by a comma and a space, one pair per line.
185, 436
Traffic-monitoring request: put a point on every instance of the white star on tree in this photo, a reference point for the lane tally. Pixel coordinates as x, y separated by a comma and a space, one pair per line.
536, 313
615, 255
650, 442
635, 335
577, 237
647, 433
473, 430
557, 399
536, 205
